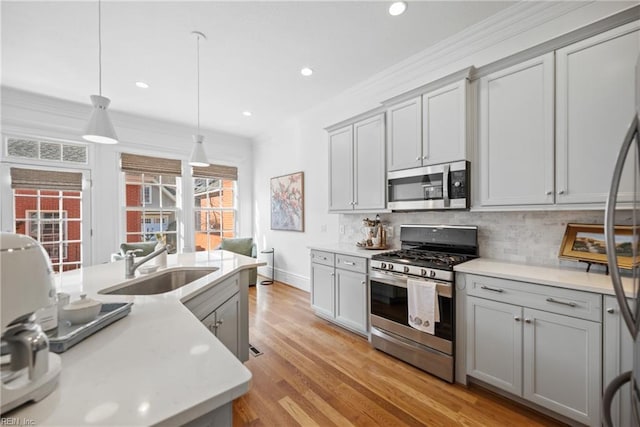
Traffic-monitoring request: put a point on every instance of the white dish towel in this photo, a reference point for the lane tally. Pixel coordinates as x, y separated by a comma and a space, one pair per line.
424, 311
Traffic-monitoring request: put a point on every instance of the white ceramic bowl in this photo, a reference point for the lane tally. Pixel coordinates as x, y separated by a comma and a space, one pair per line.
83, 310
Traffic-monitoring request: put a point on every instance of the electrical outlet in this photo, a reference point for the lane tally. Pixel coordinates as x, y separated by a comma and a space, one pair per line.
390, 232
342, 229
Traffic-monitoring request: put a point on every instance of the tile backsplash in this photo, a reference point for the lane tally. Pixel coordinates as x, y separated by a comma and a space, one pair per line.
531, 237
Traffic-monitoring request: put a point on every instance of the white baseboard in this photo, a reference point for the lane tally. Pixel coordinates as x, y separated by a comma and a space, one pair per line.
293, 279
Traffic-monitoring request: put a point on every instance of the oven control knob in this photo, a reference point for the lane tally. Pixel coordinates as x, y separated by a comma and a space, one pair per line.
423, 272
390, 266
383, 265
457, 184
432, 273
406, 269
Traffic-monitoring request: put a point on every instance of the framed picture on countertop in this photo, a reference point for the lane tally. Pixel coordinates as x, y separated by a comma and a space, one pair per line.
586, 242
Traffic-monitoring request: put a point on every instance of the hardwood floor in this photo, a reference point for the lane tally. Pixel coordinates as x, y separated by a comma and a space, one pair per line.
312, 373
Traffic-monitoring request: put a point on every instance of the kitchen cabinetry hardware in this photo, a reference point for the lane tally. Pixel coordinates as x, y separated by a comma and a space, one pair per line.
570, 303
348, 263
418, 158
528, 320
560, 191
548, 193
610, 310
517, 318
425, 157
487, 288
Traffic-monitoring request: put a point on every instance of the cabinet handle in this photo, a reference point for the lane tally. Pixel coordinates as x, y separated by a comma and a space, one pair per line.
570, 303
425, 157
610, 310
560, 191
219, 322
332, 274
548, 193
517, 318
486, 288
348, 263
528, 320
418, 158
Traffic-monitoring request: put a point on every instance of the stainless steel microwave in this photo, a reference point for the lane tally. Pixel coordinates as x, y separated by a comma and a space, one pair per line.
443, 186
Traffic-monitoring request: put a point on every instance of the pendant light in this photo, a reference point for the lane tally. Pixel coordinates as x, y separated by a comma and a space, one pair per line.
198, 156
99, 129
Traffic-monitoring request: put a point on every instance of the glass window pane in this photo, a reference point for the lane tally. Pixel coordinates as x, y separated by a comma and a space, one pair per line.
134, 238
50, 193
168, 196
49, 204
133, 195
131, 178
169, 180
150, 179
201, 242
200, 221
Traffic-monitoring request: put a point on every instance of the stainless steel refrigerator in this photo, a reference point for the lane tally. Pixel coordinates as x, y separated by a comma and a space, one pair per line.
630, 312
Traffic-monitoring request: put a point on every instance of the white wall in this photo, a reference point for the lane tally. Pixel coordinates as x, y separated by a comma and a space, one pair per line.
31, 115
301, 143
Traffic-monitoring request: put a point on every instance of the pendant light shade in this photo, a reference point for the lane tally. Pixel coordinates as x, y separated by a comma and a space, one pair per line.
100, 129
198, 157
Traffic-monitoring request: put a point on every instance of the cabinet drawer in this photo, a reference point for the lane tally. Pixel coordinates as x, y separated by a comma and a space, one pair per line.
568, 302
208, 301
322, 257
352, 263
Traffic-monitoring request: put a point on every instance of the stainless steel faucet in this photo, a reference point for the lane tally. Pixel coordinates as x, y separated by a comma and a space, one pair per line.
130, 267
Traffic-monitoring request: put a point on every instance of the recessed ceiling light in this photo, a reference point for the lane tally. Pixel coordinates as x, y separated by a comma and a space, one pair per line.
142, 85
397, 8
246, 113
306, 71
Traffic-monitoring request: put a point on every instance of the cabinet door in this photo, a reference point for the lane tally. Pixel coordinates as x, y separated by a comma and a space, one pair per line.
494, 343
595, 100
322, 292
404, 142
617, 358
563, 364
351, 299
444, 124
516, 134
341, 169
370, 178
226, 324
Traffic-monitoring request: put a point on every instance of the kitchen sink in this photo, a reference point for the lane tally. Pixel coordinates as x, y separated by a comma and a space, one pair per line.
159, 283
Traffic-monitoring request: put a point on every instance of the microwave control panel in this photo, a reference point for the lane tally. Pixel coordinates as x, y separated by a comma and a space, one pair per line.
458, 184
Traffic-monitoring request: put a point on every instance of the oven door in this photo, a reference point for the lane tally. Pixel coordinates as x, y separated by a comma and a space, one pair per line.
390, 311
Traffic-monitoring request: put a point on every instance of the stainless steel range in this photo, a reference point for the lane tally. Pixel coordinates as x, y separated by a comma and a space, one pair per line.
428, 253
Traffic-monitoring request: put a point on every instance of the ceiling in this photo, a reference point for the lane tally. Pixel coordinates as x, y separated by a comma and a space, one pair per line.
250, 62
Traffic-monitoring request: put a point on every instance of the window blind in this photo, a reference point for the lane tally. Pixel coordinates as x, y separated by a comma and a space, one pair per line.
216, 171
147, 164
45, 180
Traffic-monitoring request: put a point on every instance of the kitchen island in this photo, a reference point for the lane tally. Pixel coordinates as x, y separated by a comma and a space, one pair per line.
157, 366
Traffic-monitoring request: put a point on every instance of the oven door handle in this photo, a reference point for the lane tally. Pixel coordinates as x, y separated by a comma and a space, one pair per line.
444, 289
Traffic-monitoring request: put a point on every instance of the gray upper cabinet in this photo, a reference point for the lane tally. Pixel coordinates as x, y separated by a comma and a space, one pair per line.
404, 123
595, 103
357, 174
428, 129
516, 134
550, 128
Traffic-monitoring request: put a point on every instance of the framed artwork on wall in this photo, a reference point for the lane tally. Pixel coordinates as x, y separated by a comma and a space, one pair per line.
287, 202
585, 242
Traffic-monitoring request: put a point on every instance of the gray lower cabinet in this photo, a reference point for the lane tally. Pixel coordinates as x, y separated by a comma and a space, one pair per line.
223, 322
220, 310
617, 358
339, 289
540, 343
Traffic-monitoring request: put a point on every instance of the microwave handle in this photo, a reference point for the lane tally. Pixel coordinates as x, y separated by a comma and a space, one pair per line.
445, 186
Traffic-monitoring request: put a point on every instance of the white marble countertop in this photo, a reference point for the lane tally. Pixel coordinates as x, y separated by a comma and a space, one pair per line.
552, 276
348, 249
157, 366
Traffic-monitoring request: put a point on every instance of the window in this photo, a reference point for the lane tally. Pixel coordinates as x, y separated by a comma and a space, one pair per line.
49, 215
151, 198
214, 189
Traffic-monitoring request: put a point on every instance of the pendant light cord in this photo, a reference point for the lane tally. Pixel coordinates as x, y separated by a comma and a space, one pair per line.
99, 48
198, 73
